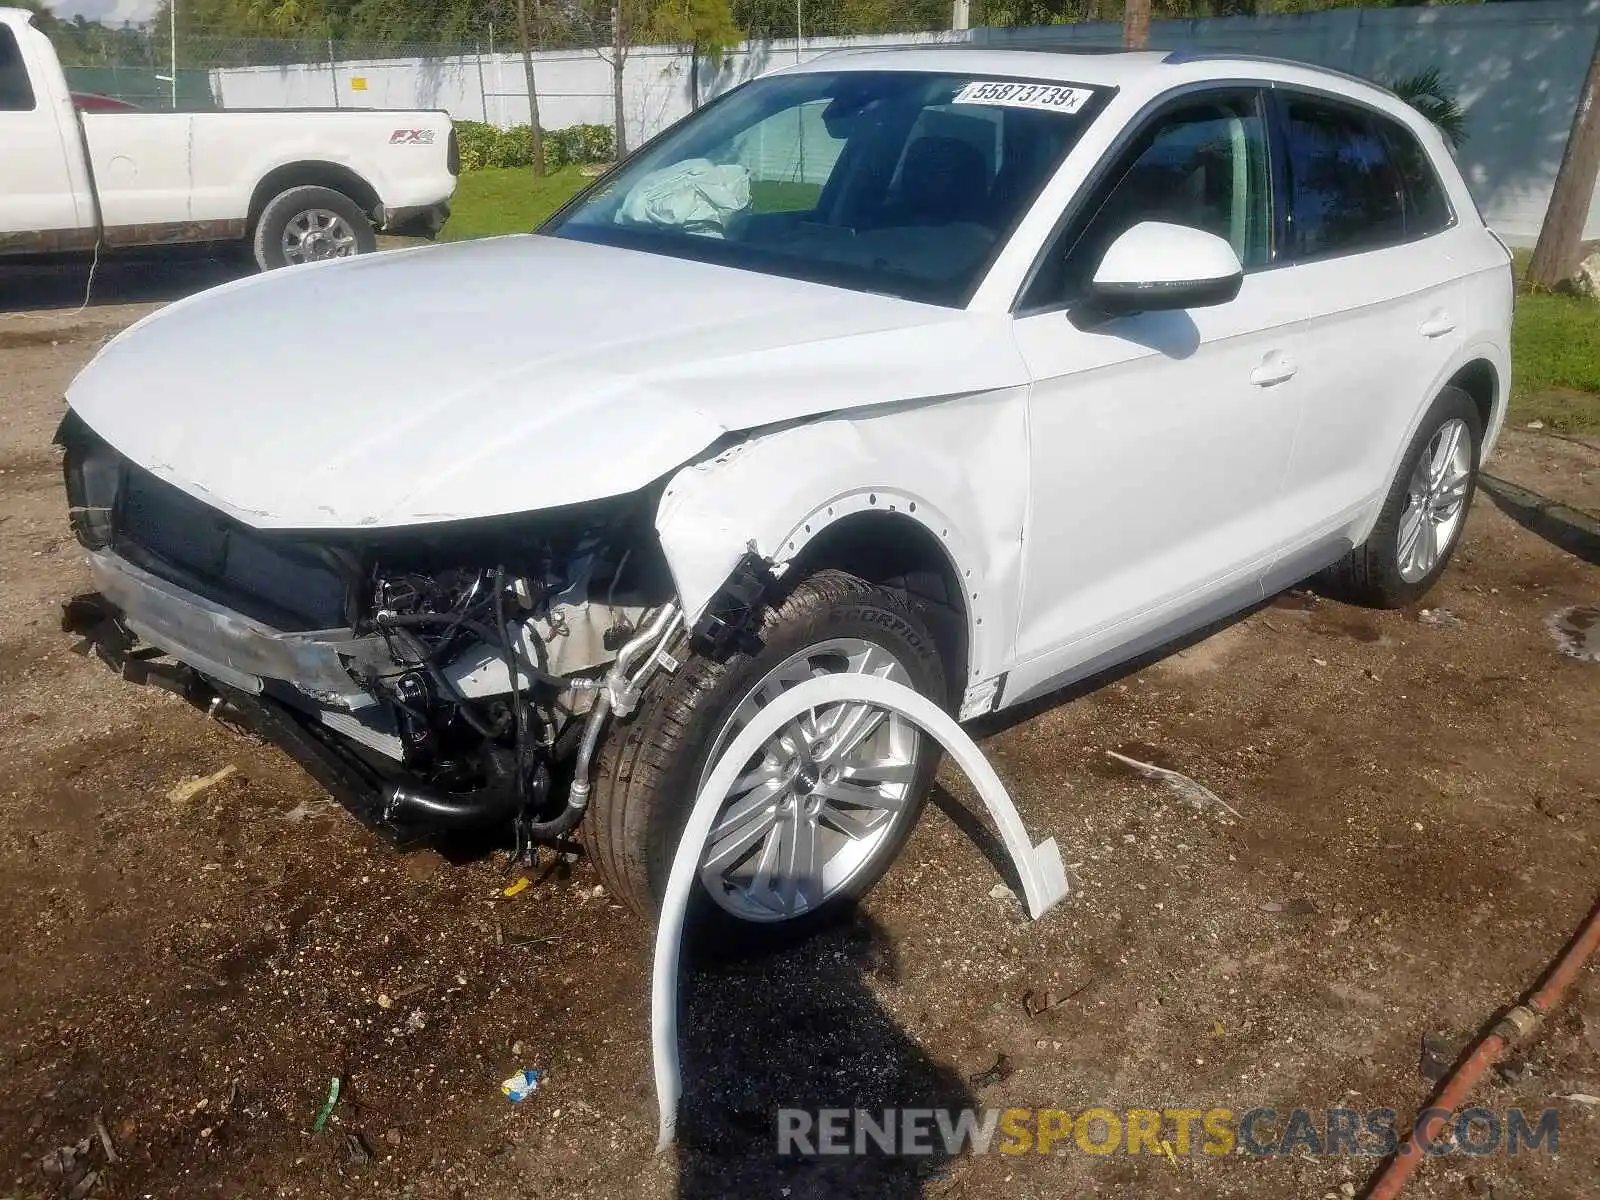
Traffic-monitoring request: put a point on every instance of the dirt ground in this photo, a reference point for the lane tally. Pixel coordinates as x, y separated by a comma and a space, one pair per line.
1418, 832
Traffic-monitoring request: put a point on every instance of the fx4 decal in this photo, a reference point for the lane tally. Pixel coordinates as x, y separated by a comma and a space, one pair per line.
411, 137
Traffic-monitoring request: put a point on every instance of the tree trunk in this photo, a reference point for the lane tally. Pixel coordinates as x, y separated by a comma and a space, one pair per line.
533, 92
619, 62
1136, 25
1555, 257
694, 77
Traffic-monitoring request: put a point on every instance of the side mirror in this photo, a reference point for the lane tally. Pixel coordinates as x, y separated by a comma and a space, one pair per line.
1154, 266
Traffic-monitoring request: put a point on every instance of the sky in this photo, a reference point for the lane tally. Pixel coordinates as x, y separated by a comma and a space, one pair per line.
112, 12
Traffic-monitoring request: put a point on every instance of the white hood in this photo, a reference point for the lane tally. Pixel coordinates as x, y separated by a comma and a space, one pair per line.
499, 376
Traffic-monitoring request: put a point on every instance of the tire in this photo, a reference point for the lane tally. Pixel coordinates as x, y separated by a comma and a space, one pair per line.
1379, 573
334, 226
651, 766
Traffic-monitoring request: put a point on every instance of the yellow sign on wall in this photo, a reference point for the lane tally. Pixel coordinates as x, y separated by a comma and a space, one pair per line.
358, 83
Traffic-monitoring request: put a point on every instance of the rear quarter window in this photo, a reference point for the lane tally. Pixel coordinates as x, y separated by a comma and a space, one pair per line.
1427, 208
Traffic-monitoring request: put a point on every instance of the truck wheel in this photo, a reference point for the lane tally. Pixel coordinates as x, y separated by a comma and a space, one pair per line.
839, 790
1423, 515
310, 224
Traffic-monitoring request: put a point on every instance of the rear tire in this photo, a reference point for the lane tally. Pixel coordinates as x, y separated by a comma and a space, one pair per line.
651, 766
310, 224
1426, 508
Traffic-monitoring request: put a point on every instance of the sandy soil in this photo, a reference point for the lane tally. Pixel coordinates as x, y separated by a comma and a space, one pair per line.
1418, 833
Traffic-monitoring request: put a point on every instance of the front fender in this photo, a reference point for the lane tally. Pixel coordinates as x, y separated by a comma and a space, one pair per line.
957, 467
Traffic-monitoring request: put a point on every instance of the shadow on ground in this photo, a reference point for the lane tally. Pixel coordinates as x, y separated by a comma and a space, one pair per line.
130, 280
804, 1030
1562, 526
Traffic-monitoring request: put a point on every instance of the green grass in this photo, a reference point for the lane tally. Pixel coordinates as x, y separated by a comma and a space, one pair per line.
1555, 360
778, 195
507, 200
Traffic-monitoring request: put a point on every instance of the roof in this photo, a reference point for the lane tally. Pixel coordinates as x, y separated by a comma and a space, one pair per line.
1137, 71
1092, 67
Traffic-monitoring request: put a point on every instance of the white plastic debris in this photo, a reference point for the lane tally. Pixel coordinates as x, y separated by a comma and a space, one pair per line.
1040, 868
1196, 793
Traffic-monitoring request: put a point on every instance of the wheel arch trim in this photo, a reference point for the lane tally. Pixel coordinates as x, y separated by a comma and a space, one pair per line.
1484, 351
322, 173
762, 495
1040, 867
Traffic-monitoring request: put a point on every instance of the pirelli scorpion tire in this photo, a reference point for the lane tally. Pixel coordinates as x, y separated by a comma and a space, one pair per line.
818, 815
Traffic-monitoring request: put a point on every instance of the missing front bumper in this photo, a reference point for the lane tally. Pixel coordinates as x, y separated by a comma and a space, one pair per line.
351, 780
312, 668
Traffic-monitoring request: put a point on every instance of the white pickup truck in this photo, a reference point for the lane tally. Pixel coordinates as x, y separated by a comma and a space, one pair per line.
293, 185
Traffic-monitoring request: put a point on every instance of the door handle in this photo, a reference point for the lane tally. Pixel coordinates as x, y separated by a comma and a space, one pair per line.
1439, 324
1275, 368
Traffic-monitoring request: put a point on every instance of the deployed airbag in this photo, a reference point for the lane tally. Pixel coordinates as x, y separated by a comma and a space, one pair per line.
695, 195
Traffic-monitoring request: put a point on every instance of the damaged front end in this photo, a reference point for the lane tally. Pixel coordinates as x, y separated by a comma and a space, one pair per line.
452, 676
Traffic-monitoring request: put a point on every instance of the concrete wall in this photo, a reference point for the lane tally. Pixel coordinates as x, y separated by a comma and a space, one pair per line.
1517, 69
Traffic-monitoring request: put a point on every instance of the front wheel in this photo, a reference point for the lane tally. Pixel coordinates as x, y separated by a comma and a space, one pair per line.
817, 815
310, 224
1423, 514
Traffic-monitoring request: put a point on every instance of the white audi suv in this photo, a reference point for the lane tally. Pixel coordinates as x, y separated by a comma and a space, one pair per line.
978, 370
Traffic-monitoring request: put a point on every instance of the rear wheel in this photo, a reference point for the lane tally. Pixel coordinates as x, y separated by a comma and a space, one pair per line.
817, 815
311, 224
1423, 515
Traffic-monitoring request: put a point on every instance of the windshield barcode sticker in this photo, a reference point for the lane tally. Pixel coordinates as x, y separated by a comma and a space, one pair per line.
1051, 97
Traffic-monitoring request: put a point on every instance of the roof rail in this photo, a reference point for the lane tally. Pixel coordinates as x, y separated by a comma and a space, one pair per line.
1058, 47
1020, 47
1178, 57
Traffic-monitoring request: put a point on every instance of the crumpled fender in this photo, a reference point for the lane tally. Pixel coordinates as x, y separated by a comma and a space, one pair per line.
958, 467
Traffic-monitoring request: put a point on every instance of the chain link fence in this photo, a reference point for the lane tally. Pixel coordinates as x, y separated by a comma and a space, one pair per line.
478, 77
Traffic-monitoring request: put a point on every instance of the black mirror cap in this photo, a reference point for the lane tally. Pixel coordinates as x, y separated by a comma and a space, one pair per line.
1121, 299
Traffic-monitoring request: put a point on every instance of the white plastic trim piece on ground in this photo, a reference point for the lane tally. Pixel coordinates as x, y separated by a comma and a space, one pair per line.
1044, 877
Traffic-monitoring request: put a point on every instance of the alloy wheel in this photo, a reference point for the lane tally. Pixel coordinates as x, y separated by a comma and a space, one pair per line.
814, 805
1436, 501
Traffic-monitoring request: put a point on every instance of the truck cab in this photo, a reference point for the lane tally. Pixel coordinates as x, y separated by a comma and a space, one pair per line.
293, 186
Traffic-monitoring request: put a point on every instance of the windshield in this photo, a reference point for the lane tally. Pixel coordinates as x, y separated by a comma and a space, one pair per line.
904, 183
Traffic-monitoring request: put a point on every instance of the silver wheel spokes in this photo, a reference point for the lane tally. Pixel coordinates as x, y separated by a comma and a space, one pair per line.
811, 809
316, 234
1435, 500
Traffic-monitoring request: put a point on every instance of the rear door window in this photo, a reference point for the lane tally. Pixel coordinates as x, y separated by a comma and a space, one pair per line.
1345, 192
16, 89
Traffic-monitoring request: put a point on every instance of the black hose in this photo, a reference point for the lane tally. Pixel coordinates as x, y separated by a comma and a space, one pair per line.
498, 802
471, 810
566, 819
451, 810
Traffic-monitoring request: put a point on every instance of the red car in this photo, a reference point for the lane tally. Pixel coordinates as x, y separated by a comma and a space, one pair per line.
89, 102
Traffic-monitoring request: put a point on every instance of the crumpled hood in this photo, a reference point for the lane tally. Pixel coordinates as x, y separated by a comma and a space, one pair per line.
498, 376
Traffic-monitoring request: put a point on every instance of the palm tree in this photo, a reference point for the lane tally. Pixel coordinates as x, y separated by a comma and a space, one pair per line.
1430, 95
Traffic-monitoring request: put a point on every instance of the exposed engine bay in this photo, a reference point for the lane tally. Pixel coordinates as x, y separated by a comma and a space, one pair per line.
469, 667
